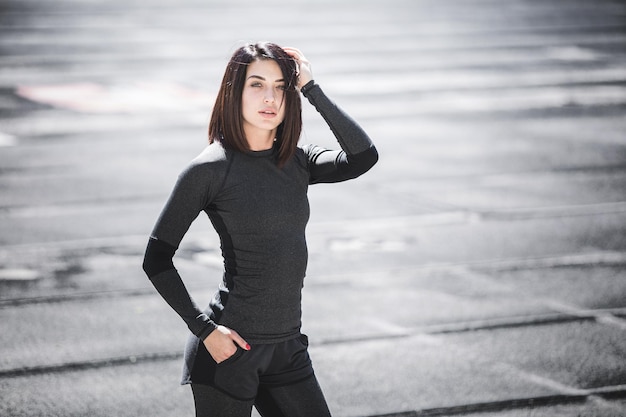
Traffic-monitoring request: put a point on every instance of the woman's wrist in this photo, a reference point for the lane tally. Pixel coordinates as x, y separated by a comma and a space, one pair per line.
306, 87
207, 330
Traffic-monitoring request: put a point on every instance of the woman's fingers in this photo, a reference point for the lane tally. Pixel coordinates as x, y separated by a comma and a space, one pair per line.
222, 342
304, 66
239, 340
293, 52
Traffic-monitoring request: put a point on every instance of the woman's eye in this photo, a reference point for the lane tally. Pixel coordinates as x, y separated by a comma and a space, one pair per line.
255, 85
282, 87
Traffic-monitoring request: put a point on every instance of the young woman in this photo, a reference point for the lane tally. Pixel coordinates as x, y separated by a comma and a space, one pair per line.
245, 348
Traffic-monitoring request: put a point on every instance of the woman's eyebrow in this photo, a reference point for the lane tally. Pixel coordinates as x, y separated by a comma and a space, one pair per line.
280, 80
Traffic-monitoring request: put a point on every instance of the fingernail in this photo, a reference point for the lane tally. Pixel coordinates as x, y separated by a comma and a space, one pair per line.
247, 347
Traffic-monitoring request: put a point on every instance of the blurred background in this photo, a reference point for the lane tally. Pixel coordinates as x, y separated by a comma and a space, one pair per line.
479, 269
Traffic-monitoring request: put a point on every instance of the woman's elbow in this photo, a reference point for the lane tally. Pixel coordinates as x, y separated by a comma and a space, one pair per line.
368, 159
158, 257
373, 157
362, 162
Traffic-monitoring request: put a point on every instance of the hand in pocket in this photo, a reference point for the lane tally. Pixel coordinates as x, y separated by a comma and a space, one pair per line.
222, 343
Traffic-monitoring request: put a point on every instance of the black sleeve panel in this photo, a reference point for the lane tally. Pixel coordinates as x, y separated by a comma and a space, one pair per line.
328, 166
159, 267
158, 257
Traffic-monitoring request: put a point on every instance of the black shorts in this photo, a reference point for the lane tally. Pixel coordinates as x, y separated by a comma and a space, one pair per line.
240, 375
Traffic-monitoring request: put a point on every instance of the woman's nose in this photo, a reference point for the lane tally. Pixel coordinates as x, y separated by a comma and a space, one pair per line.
269, 96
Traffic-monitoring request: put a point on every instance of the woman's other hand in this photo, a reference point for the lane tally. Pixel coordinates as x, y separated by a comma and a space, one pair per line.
304, 66
222, 343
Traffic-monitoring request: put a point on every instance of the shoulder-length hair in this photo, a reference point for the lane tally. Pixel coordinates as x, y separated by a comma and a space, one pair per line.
226, 125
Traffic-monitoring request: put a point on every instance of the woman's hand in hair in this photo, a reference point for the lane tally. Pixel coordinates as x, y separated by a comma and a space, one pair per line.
304, 66
222, 343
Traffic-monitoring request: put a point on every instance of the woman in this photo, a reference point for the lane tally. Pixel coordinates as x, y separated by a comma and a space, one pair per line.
246, 348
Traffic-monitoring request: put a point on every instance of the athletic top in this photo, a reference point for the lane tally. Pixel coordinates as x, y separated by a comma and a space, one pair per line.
260, 212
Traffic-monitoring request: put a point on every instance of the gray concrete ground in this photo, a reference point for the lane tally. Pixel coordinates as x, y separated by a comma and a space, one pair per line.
478, 269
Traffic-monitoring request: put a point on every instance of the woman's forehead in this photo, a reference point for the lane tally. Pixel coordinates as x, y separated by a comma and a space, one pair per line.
266, 69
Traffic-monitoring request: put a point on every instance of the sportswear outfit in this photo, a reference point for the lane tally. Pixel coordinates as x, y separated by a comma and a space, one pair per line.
260, 212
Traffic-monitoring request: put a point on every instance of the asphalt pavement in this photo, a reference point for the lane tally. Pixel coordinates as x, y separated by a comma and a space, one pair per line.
479, 269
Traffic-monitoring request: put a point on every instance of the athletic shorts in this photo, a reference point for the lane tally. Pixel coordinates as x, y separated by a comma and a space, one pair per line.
240, 375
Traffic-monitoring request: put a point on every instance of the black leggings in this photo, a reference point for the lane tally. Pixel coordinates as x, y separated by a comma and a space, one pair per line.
302, 399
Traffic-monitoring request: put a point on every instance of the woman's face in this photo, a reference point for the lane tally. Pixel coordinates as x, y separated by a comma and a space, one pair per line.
262, 98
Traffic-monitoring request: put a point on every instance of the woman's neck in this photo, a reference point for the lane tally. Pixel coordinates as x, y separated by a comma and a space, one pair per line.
260, 141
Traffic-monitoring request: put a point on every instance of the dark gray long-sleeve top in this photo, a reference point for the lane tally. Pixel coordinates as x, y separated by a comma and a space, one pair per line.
260, 212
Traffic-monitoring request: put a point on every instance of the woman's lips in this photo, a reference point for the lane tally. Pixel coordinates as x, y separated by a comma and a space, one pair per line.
267, 113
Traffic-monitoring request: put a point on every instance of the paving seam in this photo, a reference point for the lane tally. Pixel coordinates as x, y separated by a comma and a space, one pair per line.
86, 365
577, 396
610, 317
61, 298
609, 392
442, 329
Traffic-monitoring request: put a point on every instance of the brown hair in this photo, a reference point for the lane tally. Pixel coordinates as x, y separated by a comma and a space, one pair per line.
226, 125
